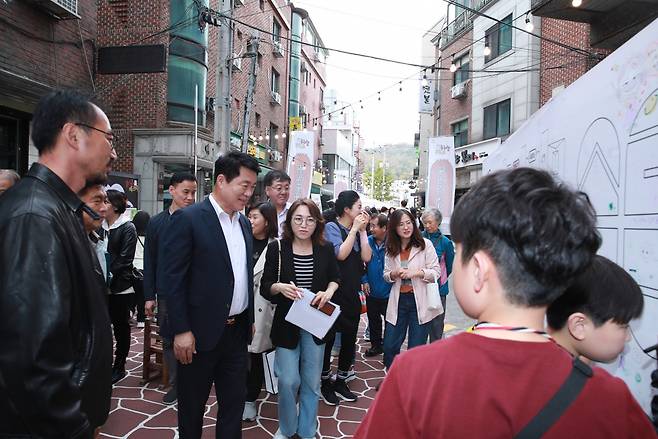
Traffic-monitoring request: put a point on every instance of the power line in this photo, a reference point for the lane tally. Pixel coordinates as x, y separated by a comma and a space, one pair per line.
550, 40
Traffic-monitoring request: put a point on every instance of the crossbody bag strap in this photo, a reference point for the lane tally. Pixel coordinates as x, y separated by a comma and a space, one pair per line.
560, 402
278, 274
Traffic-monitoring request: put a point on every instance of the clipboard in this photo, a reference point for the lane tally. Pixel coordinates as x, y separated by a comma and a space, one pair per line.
306, 316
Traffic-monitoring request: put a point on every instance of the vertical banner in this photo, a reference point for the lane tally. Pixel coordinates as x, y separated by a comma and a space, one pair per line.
341, 181
440, 191
426, 97
301, 156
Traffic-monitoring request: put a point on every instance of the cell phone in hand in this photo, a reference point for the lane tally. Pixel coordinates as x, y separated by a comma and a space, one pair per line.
327, 309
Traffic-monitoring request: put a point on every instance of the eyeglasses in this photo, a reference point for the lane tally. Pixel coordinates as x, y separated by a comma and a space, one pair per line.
298, 220
111, 137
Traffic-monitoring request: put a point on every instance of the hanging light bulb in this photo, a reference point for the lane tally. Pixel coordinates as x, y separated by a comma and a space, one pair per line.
315, 127
576, 3
424, 81
267, 137
304, 167
283, 135
453, 66
276, 136
486, 51
528, 23
260, 137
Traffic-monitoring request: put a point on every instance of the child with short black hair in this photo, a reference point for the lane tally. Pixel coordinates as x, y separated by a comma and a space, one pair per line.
591, 317
521, 239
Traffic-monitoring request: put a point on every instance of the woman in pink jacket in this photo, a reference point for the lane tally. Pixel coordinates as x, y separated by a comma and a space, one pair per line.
410, 265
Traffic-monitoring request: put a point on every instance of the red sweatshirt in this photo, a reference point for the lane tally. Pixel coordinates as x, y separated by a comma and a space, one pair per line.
470, 386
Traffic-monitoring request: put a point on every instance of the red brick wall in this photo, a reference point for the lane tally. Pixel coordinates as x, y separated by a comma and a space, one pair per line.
135, 100
453, 109
27, 33
571, 65
268, 112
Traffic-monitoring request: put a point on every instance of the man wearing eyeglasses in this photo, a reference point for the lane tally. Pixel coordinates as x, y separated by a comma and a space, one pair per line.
56, 356
277, 189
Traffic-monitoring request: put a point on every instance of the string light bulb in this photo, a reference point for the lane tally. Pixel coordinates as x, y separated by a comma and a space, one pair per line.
276, 137
576, 3
486, 51
453, 66
528, 23
315, 127
267, 137
379, 96
283, 135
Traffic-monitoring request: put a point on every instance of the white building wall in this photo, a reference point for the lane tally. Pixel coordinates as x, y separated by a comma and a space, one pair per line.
523, 87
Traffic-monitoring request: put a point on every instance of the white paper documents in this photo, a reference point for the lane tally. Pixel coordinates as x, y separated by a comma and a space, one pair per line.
305, 316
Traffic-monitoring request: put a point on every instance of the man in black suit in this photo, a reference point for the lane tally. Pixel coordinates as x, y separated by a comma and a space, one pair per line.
209, 277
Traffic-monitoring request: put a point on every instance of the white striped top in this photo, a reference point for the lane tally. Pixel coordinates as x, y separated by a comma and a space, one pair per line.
303, 270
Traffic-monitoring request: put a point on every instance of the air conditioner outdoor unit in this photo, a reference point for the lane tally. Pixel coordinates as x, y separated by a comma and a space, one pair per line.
60, 8
458, 91
237, 62
277, 48
276, 98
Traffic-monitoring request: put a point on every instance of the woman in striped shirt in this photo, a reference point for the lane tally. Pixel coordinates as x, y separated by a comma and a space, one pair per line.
301, 259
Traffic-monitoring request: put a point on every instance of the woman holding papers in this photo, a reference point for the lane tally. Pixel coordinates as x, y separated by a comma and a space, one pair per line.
302, 261
410, 265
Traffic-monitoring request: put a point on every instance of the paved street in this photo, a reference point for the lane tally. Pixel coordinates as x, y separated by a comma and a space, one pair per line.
137, 411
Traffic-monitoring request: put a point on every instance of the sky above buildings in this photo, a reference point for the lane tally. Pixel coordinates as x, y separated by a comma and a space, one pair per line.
383, 28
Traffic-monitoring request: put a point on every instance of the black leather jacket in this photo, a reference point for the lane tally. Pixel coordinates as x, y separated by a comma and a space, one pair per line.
56, 354
121, 246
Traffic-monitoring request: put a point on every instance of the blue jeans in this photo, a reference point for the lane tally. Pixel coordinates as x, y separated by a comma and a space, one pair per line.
394, 334
299, 376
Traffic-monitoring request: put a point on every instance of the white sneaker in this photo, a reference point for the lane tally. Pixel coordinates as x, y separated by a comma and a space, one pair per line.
279, 435
249, 413
350, 376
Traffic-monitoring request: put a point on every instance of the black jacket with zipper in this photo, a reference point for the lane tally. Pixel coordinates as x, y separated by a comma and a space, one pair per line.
56, 355
121, 246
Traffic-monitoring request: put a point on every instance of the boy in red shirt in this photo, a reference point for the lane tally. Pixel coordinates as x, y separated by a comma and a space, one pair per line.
521, 239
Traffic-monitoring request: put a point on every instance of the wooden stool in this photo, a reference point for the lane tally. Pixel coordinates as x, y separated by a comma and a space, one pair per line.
153, 364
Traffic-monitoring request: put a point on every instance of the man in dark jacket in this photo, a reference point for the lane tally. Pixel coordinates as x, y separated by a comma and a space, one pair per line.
56, 355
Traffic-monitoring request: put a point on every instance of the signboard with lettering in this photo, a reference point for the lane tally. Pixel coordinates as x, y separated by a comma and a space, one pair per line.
441, 177
300, 163
295, 123
426, 97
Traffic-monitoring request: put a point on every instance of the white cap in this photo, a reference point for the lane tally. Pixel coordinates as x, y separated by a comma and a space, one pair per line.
115, 187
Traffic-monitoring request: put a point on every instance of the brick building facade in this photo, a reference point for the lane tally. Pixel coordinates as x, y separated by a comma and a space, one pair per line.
39, 52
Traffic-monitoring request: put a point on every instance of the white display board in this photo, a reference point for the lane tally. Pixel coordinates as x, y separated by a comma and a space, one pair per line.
601, 135
441, 178
301, 157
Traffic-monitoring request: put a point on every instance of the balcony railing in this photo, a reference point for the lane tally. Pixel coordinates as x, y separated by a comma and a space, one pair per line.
462, 23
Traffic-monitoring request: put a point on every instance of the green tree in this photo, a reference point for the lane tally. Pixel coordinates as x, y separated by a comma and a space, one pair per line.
382, 182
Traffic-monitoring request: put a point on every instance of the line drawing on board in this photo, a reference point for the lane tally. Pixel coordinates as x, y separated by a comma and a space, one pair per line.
599, 166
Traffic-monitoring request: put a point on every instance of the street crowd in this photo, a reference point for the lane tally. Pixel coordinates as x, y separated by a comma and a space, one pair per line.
222, 275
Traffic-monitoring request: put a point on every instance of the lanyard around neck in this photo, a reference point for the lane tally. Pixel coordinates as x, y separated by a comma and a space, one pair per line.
519, 329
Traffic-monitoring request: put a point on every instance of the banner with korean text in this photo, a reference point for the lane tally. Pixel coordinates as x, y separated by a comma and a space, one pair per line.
301, 156
440, 192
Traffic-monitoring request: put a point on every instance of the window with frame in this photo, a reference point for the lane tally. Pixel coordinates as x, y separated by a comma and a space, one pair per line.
497, 119
498, 38
460, 132
276, 31
274, 131
463, 69
275, 81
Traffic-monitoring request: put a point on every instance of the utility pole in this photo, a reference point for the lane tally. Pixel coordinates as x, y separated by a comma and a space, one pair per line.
253, 54
222, 126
